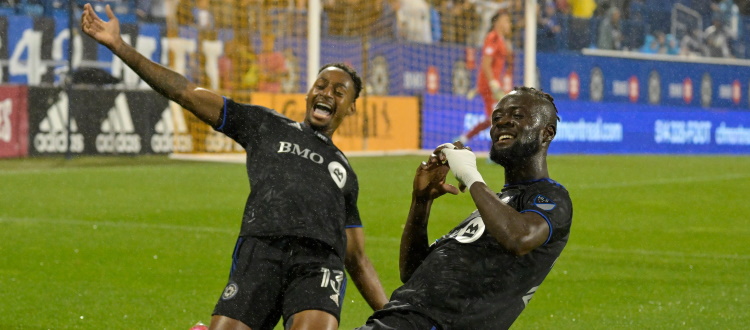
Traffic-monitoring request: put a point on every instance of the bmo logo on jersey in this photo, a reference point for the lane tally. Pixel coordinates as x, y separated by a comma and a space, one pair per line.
337, 171
288, 147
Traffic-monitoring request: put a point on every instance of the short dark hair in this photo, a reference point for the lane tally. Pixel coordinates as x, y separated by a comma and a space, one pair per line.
352, 73
539, 95
496, 17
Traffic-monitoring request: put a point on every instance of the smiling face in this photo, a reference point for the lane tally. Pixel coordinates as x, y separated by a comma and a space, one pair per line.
520, 129
330, 100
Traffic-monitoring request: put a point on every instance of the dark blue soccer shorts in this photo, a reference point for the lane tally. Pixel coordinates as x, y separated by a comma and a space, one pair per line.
279, 277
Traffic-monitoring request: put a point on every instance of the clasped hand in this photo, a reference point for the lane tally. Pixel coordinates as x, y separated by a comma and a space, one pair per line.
463, 162
429, 181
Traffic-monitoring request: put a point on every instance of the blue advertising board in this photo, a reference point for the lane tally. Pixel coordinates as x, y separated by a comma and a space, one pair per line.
604, 128
678, 81
402, 68
34, 52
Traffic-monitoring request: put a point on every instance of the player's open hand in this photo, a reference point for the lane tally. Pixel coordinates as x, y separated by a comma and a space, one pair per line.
429, 182
106, 33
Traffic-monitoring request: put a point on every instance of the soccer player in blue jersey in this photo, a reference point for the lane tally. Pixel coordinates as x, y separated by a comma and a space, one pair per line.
301, 225
483, 273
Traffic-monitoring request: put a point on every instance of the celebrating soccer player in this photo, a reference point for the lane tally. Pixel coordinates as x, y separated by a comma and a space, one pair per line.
301, 226
483, 273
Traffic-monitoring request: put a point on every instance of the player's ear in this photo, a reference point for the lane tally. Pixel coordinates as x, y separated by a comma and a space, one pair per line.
352, 108
549, 133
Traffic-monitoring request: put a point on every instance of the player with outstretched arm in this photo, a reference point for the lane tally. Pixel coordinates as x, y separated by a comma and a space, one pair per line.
301, 225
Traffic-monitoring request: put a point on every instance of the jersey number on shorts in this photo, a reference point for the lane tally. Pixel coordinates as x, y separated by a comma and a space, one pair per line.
333, 279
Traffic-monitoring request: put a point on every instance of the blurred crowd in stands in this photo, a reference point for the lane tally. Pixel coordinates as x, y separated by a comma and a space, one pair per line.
677, 27
711, 28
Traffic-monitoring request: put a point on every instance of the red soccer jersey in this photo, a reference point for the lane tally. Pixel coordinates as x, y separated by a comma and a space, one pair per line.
494, 47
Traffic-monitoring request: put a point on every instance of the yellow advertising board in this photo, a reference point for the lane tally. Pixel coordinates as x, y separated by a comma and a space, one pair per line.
381, 123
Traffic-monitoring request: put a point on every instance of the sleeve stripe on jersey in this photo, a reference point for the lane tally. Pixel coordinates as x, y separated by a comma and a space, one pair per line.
545, 219
223, 115
353, 226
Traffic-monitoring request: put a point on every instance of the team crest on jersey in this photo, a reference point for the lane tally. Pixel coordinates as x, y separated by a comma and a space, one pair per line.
230, 291
544, 203
471, 232
338, 173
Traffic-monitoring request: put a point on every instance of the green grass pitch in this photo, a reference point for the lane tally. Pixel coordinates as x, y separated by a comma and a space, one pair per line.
658, 242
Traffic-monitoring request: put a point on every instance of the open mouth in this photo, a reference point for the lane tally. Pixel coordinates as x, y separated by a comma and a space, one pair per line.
322, 110
504, 137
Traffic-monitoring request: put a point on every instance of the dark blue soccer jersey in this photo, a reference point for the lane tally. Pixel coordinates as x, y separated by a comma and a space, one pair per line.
469, 281
301, 183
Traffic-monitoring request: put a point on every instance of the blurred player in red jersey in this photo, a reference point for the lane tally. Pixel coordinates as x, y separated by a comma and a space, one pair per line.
495, 51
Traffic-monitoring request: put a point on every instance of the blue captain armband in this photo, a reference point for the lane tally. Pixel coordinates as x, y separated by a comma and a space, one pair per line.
223, 115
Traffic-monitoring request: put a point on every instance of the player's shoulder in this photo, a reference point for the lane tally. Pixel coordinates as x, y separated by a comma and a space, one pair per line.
253, 109
547, 186
551, 184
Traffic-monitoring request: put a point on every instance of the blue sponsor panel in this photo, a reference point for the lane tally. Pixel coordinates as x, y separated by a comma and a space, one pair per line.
386, 69
61, 49
419, 58
399, 68
154, 32
604, 128
445, 117
597, 128
643, 81
22, 40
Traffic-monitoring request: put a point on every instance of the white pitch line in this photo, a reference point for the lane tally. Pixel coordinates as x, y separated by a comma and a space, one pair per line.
136, 225
653, 182
659, 253
141, 225
56, 170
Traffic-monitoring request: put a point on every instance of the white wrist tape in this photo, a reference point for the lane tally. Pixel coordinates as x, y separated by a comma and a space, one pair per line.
463, 163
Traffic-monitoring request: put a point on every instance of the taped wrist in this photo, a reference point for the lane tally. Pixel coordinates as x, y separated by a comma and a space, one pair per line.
463, 163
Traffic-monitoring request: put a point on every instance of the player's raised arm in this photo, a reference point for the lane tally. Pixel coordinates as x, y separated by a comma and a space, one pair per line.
519, 233
205, 104
429, 183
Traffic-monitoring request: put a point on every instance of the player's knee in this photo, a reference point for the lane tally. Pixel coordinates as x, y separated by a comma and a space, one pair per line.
312, 320
219, 322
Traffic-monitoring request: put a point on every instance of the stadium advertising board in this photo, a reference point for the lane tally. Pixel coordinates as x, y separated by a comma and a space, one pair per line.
605, 128
641, 81
402, 68
102, 122
34, 50
380, 124
14, 138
